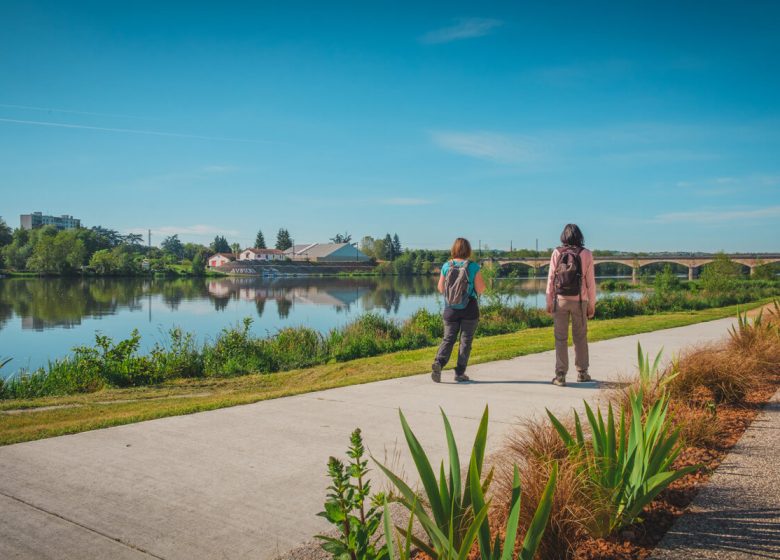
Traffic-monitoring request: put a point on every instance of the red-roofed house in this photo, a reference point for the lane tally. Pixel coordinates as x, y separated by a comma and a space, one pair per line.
221, 258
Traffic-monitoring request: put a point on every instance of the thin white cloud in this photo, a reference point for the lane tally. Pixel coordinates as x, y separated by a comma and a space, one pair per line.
194, 230
486, 145
71, 111
406, 201
465, 28
715, 216
133, 131
219, 168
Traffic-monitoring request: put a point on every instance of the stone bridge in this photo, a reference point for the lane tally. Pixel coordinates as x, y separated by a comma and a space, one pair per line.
692, 261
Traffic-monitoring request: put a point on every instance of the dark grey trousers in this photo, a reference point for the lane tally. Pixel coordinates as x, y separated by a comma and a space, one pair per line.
466, 328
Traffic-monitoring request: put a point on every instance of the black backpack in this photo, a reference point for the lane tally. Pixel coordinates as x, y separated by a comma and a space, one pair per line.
568, 273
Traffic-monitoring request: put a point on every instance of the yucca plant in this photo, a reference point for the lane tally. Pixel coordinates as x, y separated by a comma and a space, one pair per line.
631, 464
746, 332
458, 515
453, 522
650, 377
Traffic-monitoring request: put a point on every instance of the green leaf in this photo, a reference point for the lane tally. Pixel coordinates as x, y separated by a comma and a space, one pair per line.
513, 521
425, 472
539, 522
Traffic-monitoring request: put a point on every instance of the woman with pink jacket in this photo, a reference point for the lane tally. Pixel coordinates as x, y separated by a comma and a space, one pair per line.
571, 296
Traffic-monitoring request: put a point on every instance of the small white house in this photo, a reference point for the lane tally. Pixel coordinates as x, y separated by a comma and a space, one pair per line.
254, 254
221, 258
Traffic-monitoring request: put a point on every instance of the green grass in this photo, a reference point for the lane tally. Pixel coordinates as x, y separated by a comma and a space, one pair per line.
112, 407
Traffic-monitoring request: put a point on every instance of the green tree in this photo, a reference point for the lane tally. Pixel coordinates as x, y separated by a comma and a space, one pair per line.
172, 246
235, 248
133, 239
283, 240
666, 281
192, 249
338, 238
397, 249
103, 262
390, 253
260, 240
6, 235
220, 245
721, 274
198, 267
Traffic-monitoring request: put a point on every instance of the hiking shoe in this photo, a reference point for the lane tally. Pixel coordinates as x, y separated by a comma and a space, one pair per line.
436, 372
559, 380
462, 378
583, 376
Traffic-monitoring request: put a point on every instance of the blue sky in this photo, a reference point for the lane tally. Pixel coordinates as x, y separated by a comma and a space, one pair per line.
655, 126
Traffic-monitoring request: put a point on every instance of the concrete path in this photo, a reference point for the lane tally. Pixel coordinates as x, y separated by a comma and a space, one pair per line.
247, 481
736, 515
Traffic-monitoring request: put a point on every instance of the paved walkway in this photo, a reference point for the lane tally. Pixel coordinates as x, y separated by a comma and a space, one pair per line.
247, 481
736, 515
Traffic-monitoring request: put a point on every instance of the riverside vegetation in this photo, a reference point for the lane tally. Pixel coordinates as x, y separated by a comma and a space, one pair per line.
582, 484
236, 351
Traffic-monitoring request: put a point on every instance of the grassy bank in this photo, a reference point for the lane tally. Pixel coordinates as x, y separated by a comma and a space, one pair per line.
111, 407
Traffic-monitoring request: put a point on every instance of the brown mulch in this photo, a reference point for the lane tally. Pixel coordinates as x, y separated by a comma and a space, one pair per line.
637, 542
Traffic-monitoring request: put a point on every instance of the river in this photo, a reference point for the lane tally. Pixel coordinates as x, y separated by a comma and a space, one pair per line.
43, 318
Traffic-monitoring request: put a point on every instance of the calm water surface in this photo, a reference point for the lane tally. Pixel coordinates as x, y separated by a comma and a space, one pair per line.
43, 318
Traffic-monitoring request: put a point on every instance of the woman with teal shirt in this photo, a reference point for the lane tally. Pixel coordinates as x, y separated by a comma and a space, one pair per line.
459, 320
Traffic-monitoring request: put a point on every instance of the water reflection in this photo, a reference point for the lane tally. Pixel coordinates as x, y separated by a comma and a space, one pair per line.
46, 303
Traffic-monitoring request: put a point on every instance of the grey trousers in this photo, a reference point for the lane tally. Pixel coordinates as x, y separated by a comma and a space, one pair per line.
578, 312
467, 328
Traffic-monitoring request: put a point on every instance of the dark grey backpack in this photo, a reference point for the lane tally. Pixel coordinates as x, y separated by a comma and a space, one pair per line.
457, 287
568, 273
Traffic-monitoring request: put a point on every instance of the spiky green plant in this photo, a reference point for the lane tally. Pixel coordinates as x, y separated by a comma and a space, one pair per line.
746, 332
458, 512
651, 377
630, 465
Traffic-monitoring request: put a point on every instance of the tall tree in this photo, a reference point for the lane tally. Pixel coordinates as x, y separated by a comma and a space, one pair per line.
260, 240
6, 236
235, 248
389, 249
338, 238
220, 245
133, 239
283, 240
198, 267
397, 249
173, 246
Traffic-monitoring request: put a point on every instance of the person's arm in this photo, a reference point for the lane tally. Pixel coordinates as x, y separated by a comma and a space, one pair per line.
550, 276
590, 282
442, 277
479, 283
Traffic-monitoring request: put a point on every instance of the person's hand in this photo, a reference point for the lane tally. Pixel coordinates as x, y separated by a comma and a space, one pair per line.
549, 309
591, 312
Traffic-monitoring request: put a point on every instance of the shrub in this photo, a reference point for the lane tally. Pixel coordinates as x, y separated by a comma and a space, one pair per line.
181, 357
458, 511
617, 306
236, 352
297, 347
346, 507
368, 335
725, 374
535, 446
628, 467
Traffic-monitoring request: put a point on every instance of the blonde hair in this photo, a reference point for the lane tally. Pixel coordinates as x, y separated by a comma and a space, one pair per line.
461, 249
